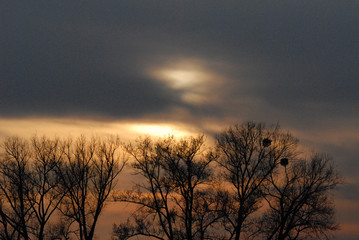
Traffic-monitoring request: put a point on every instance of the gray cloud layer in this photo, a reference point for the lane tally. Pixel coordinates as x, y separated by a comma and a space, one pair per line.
74, 57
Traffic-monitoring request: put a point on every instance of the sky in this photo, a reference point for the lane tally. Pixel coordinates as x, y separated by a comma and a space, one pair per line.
186, 67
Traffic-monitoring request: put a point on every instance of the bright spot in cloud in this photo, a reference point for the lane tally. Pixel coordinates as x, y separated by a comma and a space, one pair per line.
193, 78
183, 79
158, 130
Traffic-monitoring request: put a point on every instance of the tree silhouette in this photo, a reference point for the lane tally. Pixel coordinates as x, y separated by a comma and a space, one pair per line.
174, 202
252, 185
28, 188
249, 154
45, 176
299, 203
87, 176
45, 194
16, 210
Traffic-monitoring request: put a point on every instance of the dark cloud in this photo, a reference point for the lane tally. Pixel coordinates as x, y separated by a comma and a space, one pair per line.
295, 59
90, 57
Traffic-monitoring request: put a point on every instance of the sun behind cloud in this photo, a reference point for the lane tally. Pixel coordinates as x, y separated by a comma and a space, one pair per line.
159, 130
193, 78
183, 78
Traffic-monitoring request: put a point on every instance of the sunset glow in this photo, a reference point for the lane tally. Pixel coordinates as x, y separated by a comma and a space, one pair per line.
69, 127
185, 68
158, 130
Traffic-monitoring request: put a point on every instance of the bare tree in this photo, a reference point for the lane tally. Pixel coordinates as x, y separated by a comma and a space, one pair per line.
88, 176
299, 203
152, 197
61, 229
15, 209
29, 189
45, 196
182, 195
176, 174
249, 153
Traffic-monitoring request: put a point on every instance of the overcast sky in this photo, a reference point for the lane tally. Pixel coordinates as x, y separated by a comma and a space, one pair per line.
194, 65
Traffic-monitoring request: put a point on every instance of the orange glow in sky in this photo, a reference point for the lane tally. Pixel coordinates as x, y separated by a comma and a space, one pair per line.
71, 128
